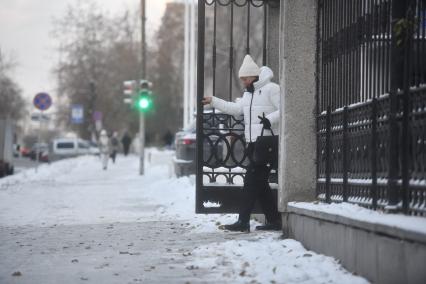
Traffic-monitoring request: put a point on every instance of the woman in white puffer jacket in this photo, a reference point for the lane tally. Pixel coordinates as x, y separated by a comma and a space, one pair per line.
260, 107
264, 100
104, 148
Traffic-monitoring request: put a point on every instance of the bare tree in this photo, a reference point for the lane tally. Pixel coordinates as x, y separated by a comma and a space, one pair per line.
98, 52
167, 74
11, 102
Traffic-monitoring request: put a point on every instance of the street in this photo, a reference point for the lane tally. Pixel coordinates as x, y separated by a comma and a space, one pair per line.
72, 222
23, 163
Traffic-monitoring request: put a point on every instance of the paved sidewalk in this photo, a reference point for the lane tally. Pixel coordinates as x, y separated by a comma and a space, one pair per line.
145, 252
72, 222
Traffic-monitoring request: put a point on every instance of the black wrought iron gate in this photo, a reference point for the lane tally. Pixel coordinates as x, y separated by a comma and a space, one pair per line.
371, 104
227, 30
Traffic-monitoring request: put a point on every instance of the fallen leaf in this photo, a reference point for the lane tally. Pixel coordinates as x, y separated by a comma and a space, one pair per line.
192, 267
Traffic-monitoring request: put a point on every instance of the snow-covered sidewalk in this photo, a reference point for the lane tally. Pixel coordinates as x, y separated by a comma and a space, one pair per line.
115, 226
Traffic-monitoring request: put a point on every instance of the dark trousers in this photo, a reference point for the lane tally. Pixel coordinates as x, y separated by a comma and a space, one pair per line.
113, 155
126, 149
256, 187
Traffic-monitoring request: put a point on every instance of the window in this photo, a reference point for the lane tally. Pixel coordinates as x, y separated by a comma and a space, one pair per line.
65, 145
82, 145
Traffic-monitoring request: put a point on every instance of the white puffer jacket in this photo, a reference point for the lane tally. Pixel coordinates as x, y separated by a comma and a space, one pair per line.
265, 99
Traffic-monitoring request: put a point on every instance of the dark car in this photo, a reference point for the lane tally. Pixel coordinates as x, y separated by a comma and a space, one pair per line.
185, 146
185, 143
43, 152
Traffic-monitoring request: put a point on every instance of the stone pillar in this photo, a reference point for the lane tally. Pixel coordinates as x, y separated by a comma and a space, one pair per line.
297, 169
273, 38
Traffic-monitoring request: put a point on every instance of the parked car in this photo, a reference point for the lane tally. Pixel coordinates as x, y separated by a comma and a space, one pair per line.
25, 151
6, 146
185, 144
93, 148
70, 147
43, 152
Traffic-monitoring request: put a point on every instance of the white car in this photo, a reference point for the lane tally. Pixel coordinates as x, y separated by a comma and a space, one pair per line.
70, 147
93, 148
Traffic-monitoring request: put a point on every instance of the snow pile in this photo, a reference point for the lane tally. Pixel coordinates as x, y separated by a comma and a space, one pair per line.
355, 212
268, 259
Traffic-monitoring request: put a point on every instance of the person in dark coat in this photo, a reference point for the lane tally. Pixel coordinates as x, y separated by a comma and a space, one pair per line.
168, 138
114, 146
126, 140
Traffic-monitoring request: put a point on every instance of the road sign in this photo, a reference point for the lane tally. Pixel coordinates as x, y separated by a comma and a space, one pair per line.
42, 101
77, 114
39, 116
97, 115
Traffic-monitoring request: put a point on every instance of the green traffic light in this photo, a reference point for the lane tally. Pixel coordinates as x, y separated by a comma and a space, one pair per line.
144, 103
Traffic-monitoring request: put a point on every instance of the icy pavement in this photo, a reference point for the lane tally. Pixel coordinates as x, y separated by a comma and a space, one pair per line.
72, 222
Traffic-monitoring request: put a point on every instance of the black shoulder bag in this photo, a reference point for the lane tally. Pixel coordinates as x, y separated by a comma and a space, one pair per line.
266, 150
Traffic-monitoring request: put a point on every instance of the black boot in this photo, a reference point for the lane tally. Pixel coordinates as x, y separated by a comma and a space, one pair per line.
238, 226
274, 226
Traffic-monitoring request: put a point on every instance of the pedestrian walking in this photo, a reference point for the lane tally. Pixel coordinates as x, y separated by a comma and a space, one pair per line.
126, 140
168, 139
105, 148
260, 107
114, 146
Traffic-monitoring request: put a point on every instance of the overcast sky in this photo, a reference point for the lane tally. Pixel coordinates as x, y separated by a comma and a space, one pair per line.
24, 33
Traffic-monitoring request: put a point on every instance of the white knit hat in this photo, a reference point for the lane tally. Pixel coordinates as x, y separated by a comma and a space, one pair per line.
248, 68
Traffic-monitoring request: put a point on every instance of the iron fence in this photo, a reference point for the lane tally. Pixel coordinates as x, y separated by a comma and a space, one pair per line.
371, 103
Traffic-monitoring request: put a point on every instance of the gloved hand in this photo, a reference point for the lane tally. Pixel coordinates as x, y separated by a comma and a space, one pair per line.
266, 123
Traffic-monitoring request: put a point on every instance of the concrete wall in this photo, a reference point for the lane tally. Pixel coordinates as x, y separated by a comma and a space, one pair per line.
297, 80
379, 253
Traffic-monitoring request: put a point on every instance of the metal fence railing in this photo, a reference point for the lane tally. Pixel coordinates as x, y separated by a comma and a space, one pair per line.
371, 103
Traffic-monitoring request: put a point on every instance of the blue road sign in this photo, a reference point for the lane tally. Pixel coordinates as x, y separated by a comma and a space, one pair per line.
77, 114
42, 101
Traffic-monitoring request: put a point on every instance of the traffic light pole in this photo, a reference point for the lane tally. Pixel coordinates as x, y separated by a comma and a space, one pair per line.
141, 142
143, 71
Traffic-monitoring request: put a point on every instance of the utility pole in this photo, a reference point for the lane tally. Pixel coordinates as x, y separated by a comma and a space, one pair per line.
143, 75
186, 68
192, 65
189, 91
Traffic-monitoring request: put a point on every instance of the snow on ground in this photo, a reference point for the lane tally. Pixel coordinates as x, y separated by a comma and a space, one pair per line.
78, 191
355, 212
270, 259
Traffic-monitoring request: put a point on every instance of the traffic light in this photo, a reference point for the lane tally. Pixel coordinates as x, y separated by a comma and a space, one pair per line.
144, 100
129, 87
141, 96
